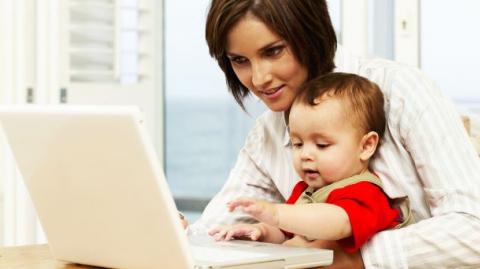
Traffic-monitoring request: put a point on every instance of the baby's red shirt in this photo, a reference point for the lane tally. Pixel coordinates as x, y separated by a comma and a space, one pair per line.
367, 207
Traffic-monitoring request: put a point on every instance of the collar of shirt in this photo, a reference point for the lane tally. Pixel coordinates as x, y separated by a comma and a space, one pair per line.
286, 135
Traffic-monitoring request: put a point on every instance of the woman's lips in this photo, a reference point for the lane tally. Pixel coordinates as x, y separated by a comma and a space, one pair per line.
273, 93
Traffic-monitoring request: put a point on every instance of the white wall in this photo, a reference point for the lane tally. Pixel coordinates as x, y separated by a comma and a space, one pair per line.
450, 47
191, 71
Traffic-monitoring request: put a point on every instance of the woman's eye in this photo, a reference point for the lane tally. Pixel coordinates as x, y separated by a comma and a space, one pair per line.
274, 51
238, 60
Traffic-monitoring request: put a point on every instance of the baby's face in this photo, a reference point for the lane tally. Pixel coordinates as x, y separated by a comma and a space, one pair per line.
326, 145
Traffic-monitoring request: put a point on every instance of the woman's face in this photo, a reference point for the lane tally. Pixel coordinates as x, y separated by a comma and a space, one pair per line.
264, 63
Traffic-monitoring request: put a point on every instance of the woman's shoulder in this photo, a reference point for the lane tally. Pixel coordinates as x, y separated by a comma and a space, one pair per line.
272, 120
270, 124
385, 70
269, 130
399, 80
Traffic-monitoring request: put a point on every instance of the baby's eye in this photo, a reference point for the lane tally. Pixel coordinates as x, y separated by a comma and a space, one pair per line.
322, 146
297, 145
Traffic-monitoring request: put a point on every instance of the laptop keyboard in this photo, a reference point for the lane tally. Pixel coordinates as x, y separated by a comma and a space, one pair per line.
222, 255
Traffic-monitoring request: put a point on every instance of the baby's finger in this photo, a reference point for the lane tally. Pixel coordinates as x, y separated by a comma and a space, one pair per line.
220, 235
243, 201
255, 234
252, 209
232, 234
239, 232
243, 232
214, 231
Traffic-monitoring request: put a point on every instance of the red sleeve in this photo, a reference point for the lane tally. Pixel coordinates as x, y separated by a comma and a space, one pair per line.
368, 209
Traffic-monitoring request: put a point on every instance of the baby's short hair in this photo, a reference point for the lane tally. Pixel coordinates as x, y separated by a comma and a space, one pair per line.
364, 98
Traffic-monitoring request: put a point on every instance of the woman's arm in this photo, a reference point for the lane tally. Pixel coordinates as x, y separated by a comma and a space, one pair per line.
245, 179
429, 134
216, 213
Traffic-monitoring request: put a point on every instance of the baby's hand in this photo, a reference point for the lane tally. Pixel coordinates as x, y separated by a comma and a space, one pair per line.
239, 231
261, 210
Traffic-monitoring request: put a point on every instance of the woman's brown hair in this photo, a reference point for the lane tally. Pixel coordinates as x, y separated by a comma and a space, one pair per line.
304, 24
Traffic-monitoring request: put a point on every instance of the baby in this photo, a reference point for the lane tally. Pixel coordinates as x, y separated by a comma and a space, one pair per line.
335, 125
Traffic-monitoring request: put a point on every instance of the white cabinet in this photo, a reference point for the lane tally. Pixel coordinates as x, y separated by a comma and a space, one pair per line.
107, 54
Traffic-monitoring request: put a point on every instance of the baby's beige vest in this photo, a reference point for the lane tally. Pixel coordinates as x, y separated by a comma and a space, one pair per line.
321, 195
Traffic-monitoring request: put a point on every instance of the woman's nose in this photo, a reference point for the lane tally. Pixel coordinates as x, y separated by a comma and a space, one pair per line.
261, 75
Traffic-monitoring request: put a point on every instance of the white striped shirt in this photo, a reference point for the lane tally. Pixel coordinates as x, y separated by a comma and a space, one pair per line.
425, 155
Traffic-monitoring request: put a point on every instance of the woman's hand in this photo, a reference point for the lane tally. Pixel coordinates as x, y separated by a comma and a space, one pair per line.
261, 210
341, 259
240, 231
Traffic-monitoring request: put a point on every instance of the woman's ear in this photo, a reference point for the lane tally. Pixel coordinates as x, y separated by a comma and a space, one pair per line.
368, 145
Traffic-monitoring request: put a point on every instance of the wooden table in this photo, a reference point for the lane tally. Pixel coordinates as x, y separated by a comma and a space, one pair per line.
33, 257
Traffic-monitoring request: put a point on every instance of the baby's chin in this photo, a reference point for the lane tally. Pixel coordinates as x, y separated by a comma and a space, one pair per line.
315, 183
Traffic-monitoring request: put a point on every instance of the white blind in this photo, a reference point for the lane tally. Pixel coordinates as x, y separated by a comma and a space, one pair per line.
105, 38
109, 54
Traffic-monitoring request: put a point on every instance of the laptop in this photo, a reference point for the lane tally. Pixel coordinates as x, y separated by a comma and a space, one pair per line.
102, 198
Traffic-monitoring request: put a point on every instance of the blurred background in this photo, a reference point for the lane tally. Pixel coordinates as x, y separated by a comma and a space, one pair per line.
153, 54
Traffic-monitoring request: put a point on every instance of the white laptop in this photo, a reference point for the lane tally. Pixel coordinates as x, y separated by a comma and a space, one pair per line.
102, 198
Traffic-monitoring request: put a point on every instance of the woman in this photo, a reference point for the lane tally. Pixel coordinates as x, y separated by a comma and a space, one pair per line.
269, 48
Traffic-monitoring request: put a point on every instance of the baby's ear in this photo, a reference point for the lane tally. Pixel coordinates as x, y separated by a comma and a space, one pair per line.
368, 145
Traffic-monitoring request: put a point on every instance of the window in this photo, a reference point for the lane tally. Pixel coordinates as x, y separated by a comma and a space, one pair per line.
380, 28
205, 128
449, 48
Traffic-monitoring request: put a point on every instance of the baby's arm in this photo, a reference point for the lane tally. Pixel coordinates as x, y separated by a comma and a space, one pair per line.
318, 220
255, 232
